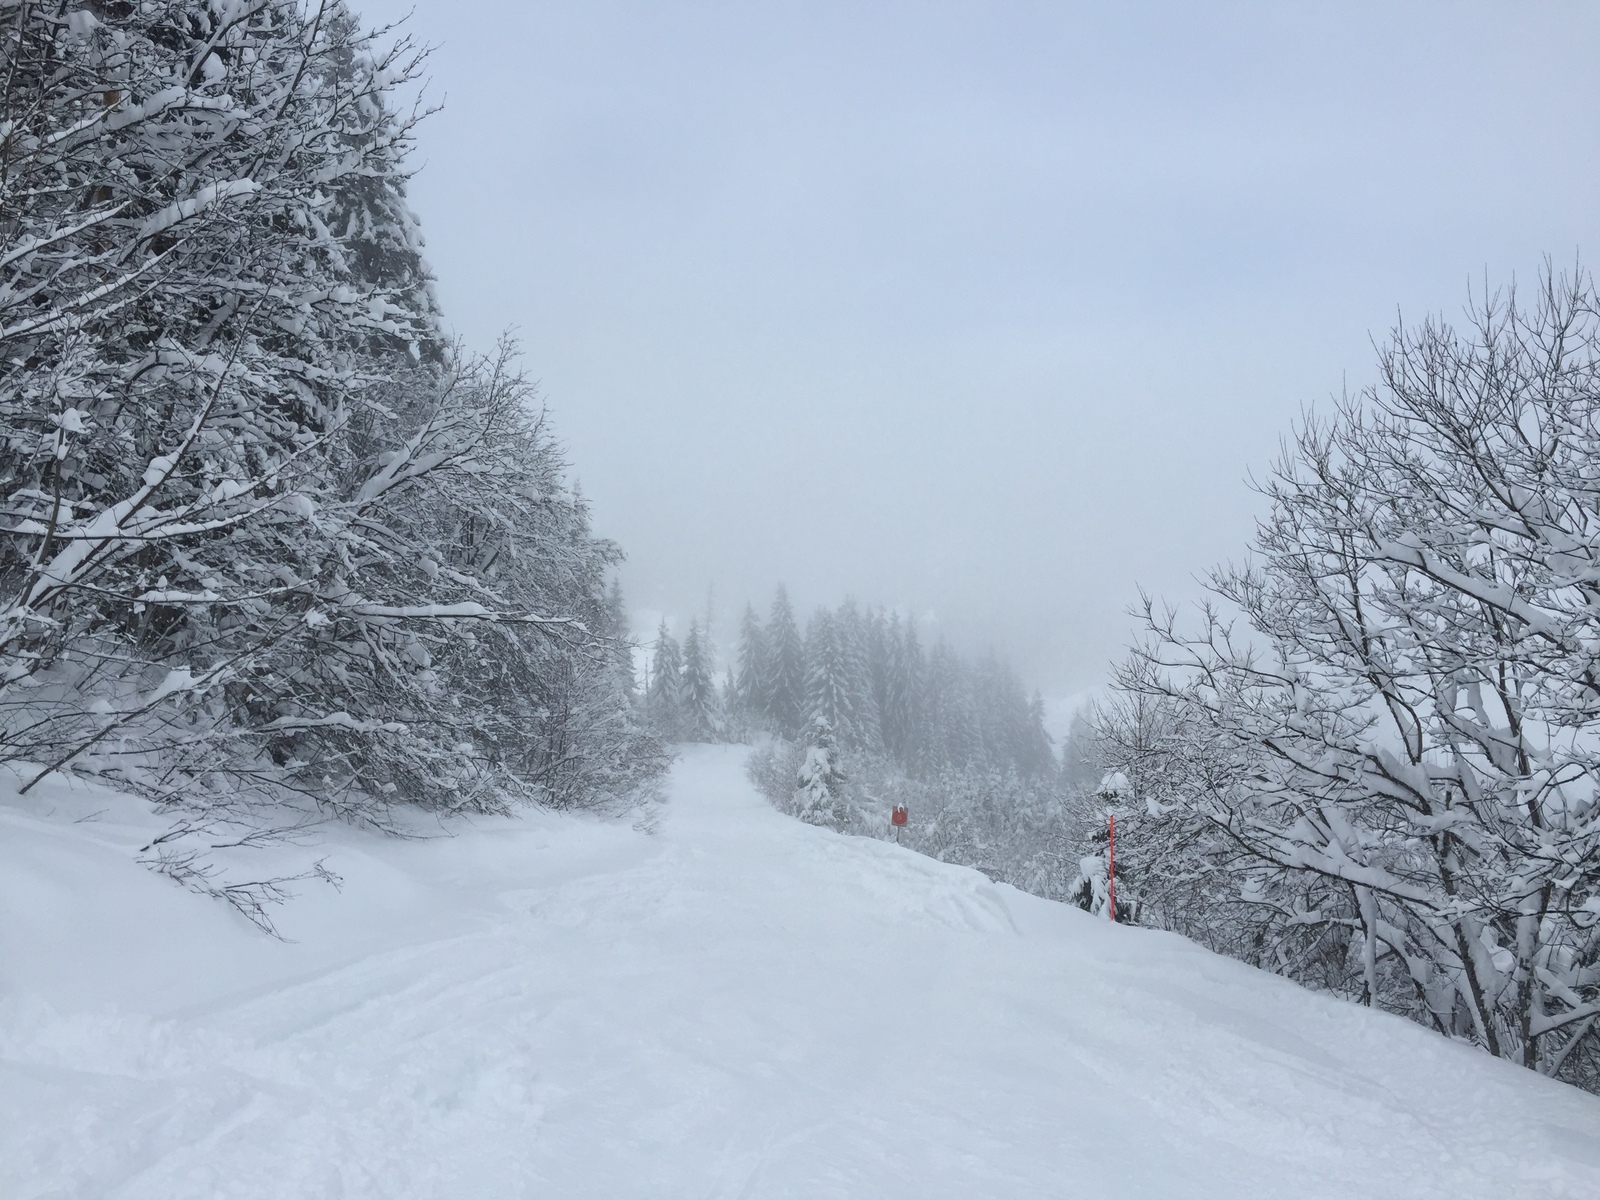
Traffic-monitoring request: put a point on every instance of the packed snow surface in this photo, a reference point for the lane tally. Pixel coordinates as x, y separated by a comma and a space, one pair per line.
715, 1001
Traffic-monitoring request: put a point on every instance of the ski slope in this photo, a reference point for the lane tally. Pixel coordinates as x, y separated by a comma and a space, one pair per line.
715, 1002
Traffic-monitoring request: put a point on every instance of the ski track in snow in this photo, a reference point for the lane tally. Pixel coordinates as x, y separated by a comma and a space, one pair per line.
729, 1004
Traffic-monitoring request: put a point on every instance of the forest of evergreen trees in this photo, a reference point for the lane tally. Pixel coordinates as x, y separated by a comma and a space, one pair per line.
865, 674
852, 717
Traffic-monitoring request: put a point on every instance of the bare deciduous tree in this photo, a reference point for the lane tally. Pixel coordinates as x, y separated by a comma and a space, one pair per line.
1376, 758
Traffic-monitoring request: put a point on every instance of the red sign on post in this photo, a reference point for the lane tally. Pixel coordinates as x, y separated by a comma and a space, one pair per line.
898, 816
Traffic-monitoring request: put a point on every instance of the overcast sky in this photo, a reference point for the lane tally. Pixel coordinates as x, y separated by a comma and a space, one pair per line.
985, 310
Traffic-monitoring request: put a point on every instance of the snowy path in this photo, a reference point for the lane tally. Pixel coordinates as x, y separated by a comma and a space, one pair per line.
733, 1005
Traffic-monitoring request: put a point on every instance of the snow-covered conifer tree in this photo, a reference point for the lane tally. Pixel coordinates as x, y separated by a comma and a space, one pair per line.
903, 689
1036, 755
818, 796
830, 691
664, 701
614, 626
948, 732
852, 630
785, 686
877, 651
749, 699
700, 704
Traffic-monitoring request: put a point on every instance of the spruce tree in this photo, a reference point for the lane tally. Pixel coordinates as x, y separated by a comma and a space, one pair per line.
749, 694
1098, 875
830, 692
904, 687
664, 701
1010, 732
877, 653
948, 726
819, 786
1038, 759
785, 686
865, 731
701, 706
615, 630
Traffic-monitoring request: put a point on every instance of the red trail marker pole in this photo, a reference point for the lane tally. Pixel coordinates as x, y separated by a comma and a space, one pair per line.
1111, 868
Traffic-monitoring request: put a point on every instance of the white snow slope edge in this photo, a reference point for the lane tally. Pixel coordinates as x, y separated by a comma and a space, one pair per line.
729, 1004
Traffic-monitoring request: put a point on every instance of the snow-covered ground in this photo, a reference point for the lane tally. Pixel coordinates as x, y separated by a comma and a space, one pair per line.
715, 1002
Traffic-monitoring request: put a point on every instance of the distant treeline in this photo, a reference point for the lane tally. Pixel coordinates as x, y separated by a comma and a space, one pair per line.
854, 718
862, 674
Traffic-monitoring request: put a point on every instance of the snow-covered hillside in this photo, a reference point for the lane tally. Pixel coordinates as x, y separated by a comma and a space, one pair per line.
714, 1002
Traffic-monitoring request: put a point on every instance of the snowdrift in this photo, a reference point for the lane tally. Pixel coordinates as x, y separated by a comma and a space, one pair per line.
713, 1001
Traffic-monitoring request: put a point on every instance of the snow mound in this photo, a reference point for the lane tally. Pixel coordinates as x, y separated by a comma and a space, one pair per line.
715, 1002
